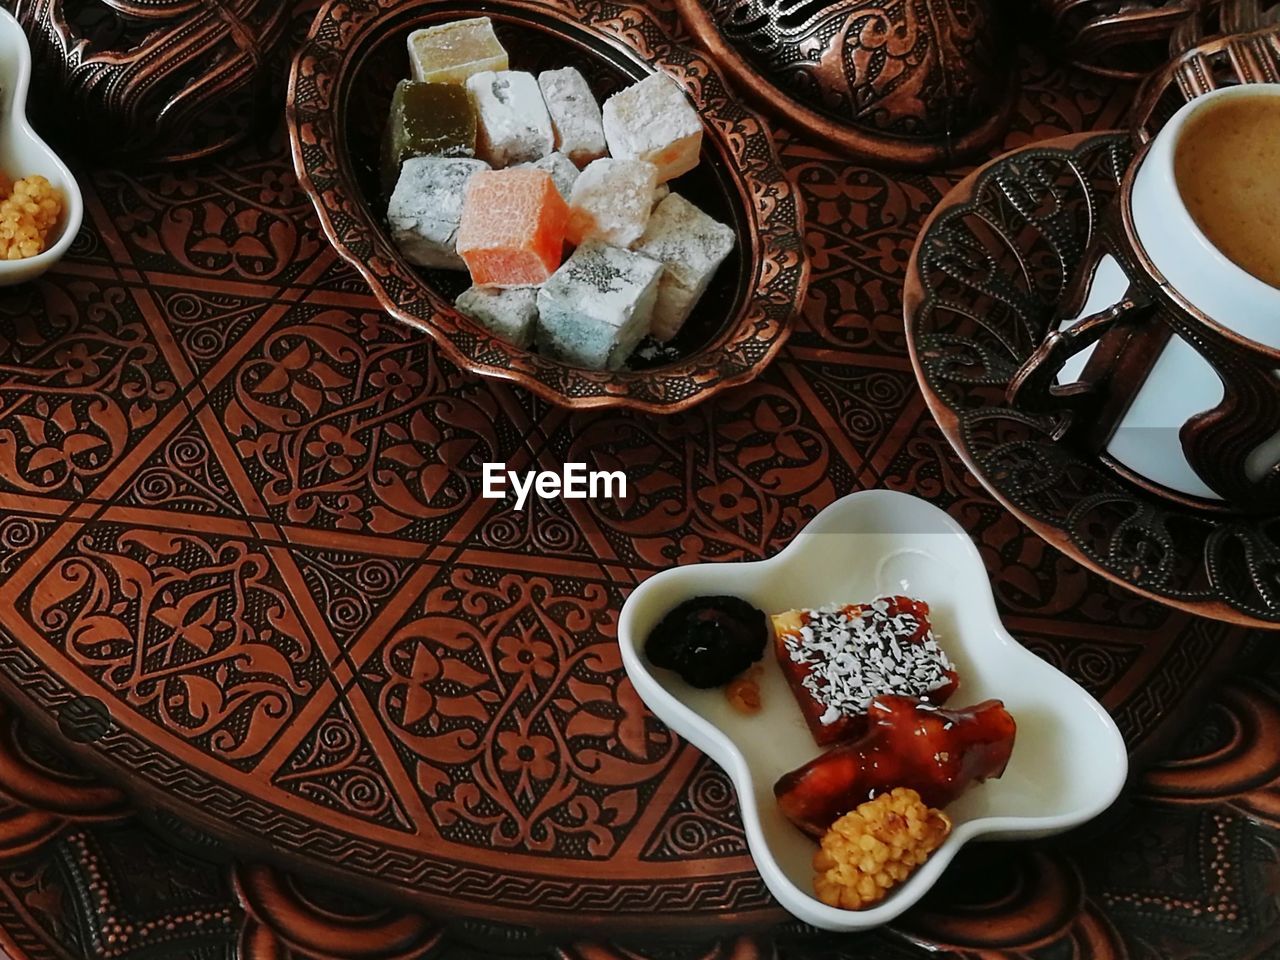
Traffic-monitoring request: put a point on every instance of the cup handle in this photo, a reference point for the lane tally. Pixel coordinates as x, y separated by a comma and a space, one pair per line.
1033, 389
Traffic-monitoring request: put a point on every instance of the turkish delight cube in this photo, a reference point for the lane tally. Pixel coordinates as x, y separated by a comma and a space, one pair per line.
427, 119
575, 114
611, 201
452, 52
513, 123
512, 231
653, 120
426, 209
563, 173
597, 307
506, 312
691, 245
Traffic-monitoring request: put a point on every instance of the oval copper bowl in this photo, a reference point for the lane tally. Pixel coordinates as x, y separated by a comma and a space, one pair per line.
338, 97
918, 85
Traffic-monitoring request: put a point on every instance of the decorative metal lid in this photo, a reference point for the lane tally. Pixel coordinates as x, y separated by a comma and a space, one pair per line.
160, 80
919, 83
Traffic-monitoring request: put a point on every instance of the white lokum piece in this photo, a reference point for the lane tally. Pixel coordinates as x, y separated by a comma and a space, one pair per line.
512, 123
451, 52
575, 114
506, 312
653, 120
691, 245
611, 201
597, 307
563, 173
426, 209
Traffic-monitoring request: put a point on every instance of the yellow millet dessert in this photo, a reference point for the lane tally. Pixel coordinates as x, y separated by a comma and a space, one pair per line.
872, 849
29, 211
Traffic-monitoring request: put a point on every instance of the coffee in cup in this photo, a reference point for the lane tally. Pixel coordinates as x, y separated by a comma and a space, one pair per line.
1227, 168
1165, 357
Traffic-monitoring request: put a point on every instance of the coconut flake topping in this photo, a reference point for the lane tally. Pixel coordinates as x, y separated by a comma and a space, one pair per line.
853, 659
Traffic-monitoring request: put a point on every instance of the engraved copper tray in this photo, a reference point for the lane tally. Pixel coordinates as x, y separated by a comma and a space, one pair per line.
234, 498
1184, 863
990, 265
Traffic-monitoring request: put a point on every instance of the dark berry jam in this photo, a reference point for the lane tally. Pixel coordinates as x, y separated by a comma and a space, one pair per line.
709, 640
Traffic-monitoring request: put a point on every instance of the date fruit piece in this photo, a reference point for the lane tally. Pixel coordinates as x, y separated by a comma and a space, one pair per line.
709, 640
908, 743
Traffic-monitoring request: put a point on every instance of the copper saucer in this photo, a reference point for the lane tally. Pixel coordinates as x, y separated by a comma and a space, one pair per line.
988, 268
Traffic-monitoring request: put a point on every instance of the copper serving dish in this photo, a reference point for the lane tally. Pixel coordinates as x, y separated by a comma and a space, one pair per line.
340, 87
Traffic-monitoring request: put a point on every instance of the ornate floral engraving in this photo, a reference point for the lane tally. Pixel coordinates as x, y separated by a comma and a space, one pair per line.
519, 726
194, 632
773, 467
81, 380
343, 423
245, 226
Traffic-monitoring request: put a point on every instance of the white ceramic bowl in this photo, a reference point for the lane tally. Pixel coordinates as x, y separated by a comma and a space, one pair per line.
1069, 761
22, 153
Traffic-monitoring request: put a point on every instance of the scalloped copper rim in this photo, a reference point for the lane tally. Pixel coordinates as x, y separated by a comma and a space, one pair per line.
776, 277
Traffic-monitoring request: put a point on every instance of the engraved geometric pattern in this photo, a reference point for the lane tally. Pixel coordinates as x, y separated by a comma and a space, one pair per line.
240, 510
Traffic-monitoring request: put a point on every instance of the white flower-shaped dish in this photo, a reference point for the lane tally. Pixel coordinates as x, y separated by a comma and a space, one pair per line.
23, 153
1069, 761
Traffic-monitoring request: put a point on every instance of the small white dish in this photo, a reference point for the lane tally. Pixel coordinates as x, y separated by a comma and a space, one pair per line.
1069, 761
23, 153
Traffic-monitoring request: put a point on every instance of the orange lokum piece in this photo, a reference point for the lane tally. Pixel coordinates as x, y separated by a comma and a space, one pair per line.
513, 226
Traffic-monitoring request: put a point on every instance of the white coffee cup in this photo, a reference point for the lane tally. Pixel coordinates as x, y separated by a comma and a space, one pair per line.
1190, 276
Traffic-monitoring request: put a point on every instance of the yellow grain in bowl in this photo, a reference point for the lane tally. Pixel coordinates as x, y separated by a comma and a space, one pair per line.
28, 214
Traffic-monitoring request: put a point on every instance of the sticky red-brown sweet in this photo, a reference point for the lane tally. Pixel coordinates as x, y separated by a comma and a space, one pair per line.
909, 743
839, 659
